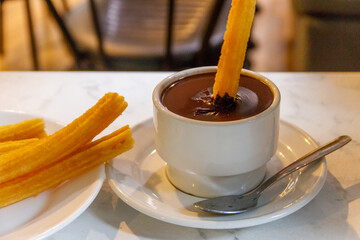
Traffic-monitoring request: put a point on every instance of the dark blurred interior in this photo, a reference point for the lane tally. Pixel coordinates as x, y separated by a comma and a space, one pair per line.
170, 35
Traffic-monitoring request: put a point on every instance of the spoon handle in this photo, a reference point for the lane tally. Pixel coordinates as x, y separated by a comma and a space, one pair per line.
305, 160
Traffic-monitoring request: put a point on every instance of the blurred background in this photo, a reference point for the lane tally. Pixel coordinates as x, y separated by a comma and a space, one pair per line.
157, 35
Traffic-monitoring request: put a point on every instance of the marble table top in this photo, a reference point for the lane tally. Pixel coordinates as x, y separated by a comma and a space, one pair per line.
325, 105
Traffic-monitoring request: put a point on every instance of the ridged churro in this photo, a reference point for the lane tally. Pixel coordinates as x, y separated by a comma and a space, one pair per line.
92, 155
11, 145
234, 48
50, 149
32, 128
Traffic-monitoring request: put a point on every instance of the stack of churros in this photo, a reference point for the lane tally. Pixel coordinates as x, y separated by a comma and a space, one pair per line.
35, 163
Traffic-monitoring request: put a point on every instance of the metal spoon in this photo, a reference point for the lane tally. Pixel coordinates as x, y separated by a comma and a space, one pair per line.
235, 204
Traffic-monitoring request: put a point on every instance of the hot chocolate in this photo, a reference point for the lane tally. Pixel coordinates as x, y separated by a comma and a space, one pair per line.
191, 97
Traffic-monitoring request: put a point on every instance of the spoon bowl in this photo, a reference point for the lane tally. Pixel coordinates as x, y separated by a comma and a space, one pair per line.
235, 204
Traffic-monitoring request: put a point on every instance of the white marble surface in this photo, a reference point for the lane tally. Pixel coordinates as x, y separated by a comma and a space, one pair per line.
325, 105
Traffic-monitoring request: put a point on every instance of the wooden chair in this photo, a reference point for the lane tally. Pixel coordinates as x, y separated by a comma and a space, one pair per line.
164, 32
30, 25
31, 33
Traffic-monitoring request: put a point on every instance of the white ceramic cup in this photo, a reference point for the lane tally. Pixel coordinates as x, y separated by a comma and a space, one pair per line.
207, 158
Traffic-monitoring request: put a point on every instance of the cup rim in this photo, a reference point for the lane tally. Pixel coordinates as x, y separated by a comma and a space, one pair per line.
156, 96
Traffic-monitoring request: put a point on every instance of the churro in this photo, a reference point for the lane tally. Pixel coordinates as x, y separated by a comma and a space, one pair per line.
32, 128
94, 154
11, 145
234, 48
65, 141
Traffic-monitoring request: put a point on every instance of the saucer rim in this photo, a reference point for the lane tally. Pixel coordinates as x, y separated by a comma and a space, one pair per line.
228, 223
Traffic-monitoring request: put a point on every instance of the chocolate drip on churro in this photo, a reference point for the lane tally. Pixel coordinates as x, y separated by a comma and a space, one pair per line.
219, 105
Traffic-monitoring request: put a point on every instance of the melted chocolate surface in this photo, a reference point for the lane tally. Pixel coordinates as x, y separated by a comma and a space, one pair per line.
191, 97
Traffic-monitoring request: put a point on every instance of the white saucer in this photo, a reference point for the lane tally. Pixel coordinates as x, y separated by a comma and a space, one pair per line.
40, 216
139, 179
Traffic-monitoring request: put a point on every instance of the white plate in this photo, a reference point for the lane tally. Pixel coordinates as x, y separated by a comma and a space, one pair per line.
139, 179
38, 217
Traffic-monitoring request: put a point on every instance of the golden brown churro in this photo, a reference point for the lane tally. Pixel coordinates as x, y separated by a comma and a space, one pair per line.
50, 176
234, 48
33, 128
11, 145
65, 141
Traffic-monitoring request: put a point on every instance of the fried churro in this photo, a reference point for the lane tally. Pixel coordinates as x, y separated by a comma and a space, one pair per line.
50, 149
91, 155
32, 128
11, 145
234, 48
